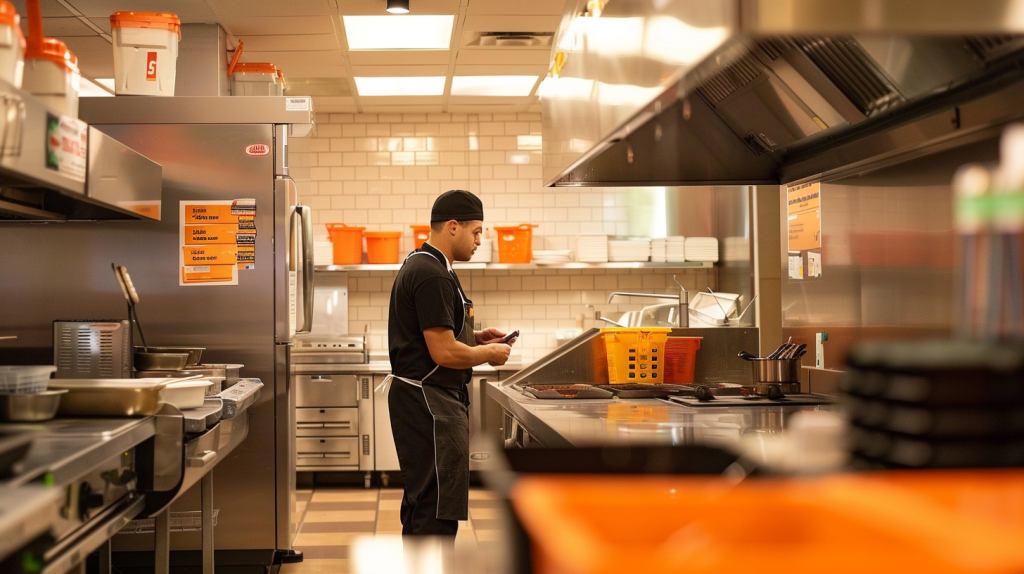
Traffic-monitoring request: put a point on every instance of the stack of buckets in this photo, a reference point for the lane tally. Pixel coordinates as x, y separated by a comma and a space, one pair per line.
381, 246
254, 78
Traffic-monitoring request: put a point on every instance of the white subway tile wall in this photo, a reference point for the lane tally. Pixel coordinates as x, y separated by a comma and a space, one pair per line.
383, 171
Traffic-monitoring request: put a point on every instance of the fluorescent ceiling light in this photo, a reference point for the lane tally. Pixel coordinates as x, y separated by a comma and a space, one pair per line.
399, 32
96, 88
493, 85
401, 86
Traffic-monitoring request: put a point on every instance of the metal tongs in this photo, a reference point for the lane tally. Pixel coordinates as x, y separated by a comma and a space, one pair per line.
132, 297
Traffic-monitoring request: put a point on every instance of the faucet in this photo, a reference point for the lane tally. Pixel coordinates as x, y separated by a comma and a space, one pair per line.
683, 298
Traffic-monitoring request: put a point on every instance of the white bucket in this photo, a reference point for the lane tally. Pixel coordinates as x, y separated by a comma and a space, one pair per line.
53, 80
12, 54
145, 53
255, 80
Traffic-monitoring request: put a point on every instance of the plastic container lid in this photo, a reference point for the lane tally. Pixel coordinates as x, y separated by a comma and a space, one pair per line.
9, 15
255, 68
54, 50
154, 20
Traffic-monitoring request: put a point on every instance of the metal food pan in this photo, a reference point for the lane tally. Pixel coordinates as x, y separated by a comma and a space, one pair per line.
110, 398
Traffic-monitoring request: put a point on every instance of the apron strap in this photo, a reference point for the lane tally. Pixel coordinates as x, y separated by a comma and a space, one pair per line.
383, 386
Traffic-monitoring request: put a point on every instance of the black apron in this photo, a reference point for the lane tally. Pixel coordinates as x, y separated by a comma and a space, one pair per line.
449, 410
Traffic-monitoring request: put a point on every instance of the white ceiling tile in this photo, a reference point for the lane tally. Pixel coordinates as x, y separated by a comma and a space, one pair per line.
519, 7
46, 7
286, 59
251, 25
272, 7
190, 11
487, 109
61, 27
491, 100
376, 7
383, 71
511, 23
311, 70
400, 57
290, 43
95, 55
101, 23
499, 57
500, 70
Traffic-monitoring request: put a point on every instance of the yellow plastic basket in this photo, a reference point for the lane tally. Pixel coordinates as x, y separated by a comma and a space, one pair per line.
636, 355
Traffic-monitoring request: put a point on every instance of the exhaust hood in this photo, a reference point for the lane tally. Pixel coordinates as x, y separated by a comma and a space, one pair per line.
769, 91
56, 168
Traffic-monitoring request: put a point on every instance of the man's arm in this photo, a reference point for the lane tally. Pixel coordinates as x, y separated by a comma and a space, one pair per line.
450, 353
488, 336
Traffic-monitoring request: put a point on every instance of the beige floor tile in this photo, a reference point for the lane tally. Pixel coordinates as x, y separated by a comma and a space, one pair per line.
300, 507
395, 505
480, 494
345, 496
317, 567
488, 535
327, 538
340, 516
389, 530
394, 515
484, 513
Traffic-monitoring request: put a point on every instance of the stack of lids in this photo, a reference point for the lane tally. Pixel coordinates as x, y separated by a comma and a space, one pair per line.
736, 249
936, 404
658, 250
629, 250
701, 249
592, 248
552, 256
323, 251
675, 249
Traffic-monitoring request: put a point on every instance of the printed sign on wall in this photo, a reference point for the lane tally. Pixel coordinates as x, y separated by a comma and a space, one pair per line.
217, 239
67, 141
803, 226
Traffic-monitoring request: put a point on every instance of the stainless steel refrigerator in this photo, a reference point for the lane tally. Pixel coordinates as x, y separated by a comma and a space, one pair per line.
62, 271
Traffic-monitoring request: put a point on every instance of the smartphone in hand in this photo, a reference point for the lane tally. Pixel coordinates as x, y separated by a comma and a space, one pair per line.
510, 338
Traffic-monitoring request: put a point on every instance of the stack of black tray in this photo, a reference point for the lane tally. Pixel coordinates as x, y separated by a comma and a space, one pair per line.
936, 404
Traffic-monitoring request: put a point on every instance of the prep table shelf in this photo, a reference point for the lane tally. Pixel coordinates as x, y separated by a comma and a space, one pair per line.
528, 266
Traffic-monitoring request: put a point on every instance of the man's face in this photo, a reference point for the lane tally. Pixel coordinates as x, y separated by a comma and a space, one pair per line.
466, 240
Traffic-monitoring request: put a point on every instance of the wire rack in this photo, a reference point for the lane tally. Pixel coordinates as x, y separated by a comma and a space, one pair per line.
180, 522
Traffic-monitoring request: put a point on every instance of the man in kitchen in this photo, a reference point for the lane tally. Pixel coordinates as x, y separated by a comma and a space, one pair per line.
433, 350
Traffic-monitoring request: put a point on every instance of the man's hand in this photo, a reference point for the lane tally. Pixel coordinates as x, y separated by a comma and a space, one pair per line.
488, 336
498, 353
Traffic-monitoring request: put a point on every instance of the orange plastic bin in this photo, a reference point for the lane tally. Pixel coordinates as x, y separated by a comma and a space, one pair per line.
348, 243
515, 244
382, 246
681, 359
421, 233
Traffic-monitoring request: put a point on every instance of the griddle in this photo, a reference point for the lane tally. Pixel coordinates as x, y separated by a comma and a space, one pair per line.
662, 391
757, 401
573, 391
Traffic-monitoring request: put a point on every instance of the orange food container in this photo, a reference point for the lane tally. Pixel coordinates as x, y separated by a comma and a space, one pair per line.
348, 243
635, 354
681, 359
382, 246
515, 244
914, 521
421, 233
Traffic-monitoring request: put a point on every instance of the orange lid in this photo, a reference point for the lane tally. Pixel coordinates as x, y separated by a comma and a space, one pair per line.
155, 20
255, 68
8, 15
54, 50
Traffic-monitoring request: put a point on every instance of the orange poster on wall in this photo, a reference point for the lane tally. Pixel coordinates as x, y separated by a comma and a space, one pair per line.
803, 216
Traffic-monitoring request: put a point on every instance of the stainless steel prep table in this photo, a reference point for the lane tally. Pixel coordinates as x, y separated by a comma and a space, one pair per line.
595, 422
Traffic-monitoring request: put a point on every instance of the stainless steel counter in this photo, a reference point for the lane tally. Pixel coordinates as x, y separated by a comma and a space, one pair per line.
566, 423
384, 367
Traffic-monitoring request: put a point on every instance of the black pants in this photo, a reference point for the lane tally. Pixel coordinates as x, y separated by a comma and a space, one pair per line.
413, 428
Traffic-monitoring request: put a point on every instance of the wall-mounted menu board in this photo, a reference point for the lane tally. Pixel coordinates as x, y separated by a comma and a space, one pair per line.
803, 226
217, 239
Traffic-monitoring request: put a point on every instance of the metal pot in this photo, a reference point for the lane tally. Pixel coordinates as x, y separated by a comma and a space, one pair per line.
194, 353
160, 361
775, 370
33, 407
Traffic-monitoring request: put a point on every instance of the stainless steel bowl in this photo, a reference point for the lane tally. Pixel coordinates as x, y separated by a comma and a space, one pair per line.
195, 354
775, 370
160, 361
229, 373
33, 407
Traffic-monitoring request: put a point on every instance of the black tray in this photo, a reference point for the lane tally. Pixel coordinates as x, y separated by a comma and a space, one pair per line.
788, 400
893, 450
564, 392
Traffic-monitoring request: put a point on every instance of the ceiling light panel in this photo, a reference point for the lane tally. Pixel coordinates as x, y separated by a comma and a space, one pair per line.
493, 85
399, 32
401, 86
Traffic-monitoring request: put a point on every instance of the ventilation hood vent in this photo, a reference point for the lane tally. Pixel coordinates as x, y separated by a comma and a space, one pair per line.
730, 104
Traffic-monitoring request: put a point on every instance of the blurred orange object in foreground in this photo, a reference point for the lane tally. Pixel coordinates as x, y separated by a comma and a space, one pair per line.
921, 521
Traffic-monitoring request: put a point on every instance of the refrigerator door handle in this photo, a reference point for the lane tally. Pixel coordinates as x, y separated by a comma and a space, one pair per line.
306, 236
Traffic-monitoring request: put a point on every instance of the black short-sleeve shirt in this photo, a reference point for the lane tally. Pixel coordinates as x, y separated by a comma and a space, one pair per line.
424, 296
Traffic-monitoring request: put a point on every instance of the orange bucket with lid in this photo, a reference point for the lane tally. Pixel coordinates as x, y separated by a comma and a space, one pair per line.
382, 246
145, 52
515, 244
348, 243
421, 233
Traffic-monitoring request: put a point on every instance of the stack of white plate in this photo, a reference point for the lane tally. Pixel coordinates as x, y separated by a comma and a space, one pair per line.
675, 249
658, 250
592, 248
631, 250
736, 249
323, 252
701, 249
484, 252
552, 256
